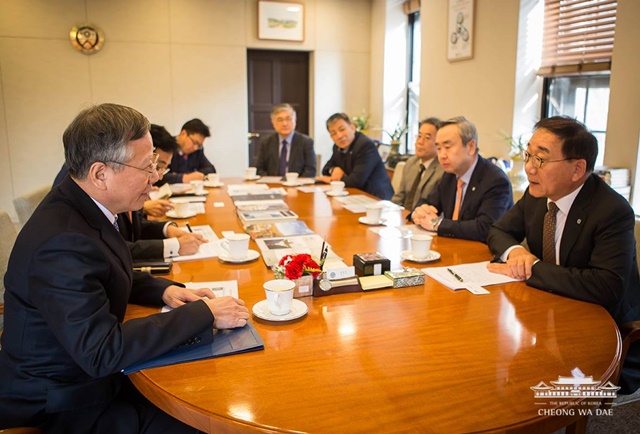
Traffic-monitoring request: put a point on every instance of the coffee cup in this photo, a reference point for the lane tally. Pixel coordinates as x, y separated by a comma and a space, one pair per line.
198, 186
236, 245
279, 294
421, 245
292, 177
373, 213
337, 187
182, 209
250, 172
212, 178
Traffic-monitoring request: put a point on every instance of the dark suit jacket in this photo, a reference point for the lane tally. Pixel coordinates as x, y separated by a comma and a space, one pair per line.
363, 167
64, 343
302, 157
195, 162
597, 260
143, 237
487, 198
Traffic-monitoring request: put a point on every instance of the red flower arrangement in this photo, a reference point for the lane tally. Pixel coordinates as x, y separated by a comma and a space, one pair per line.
295, 266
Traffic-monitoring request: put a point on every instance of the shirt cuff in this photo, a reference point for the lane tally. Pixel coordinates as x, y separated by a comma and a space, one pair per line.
171, 247
166, 226
505, 255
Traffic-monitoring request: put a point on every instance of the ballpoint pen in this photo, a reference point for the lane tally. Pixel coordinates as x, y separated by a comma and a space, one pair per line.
456, 275
189, 227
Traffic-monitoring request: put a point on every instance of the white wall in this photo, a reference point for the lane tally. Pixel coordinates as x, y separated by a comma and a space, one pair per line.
170, 59
482, 88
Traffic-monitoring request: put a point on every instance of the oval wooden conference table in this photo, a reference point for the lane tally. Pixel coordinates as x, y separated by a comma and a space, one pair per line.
415, 359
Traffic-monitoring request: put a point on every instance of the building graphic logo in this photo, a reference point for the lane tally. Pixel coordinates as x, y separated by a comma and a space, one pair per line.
575, 387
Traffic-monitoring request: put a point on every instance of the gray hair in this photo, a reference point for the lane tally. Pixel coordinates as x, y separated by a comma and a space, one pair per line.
101, 133
466, 128
280, 108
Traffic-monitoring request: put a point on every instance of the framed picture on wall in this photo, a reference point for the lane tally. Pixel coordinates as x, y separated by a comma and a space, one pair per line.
281, 21
460, 30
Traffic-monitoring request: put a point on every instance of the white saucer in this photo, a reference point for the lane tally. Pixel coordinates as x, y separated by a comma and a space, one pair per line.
213, 184
342, 193
255, 178
298, 309
431, 256
172, 214
364, 221
291, 184
251, 256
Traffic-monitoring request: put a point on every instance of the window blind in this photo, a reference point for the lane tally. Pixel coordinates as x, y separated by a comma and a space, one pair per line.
578, 36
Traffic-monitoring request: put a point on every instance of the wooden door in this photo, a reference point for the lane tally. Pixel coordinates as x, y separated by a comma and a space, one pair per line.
275, 77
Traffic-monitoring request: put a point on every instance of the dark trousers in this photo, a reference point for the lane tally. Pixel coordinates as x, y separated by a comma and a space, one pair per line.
129, 413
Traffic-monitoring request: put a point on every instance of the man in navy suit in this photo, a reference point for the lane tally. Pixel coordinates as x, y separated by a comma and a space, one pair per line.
287, 150
472, 194
68, 283
591, 254
189, 162
355, 159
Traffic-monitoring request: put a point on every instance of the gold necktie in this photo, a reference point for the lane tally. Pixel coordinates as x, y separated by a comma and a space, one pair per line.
456, 210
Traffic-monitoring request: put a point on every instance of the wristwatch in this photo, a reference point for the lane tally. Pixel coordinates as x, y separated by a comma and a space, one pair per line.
435, 222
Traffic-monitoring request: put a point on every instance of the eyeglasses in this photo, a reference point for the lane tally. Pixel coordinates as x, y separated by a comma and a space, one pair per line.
150, 169
195, 143
281, 120
537, 161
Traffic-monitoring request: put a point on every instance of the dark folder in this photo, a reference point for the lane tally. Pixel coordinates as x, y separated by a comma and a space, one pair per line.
225, 342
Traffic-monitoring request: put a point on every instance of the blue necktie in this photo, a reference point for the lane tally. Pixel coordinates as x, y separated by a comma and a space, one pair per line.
282, 166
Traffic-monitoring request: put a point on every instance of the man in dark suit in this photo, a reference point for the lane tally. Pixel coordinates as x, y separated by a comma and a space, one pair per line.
151, 239
472, 194
578, 230
355, 159
189, 162
68, 283
287, 150
422, 172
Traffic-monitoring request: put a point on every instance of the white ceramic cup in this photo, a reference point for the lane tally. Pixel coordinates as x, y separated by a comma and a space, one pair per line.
292, 177
279, 295
337, 187
182, 209
213, 178
421, 245
237, 245
198, 186
373, 213
250, 172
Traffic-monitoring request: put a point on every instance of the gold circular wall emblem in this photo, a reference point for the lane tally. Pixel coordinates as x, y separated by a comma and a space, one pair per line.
87, 38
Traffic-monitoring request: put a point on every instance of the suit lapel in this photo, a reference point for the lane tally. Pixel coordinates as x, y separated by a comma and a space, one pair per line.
97, 220
428, 173
576, 219
471, 195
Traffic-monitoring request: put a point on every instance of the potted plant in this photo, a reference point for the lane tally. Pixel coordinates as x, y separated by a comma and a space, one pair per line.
361, 122
301, 269
395, 137
517, 174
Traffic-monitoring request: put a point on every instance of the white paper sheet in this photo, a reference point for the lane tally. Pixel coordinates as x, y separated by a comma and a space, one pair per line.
474, 276
207, 250
220, 289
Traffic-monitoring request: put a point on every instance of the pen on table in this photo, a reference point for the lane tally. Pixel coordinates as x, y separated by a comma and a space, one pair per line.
189, 227
456, 275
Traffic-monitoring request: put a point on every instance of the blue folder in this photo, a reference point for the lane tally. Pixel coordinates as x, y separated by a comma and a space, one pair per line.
225, 342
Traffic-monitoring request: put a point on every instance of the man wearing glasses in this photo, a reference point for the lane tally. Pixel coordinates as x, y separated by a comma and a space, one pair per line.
287, 150
578, 230
68, 284
189, 163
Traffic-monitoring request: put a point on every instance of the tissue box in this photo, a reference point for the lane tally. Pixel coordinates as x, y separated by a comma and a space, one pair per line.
370, 264
406, 277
